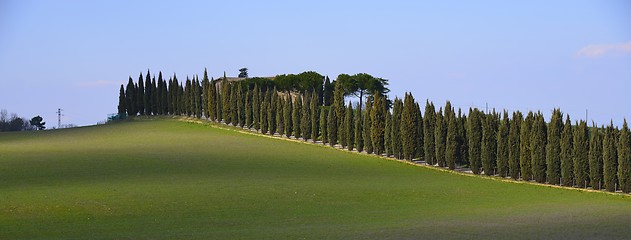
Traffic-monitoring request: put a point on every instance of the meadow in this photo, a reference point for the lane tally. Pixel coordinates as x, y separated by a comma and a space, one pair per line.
169, 179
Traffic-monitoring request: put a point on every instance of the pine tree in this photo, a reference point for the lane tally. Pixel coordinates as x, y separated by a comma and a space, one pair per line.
524, 147
359, 130
315, 116
538, 148
378, 123
140, 95
596, 158
502, 146
489, 144
122, 105
474, 135
295, 116
567, 160
439, 138
332, 126
324, 136
429, 123
624, 158
367, 125
610, 159
580, 153
305, 122
553, 148
387, 137
408, 127
256, 107
397, 145
287, 110
248, 109
451, 144
349, 121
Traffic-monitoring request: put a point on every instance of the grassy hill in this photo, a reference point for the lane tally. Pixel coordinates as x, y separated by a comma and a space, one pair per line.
167, 179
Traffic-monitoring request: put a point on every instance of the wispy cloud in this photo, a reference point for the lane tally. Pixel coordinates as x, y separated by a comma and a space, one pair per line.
598, 50
98, 83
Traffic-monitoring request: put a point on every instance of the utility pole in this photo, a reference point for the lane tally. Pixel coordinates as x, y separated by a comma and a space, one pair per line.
59, 117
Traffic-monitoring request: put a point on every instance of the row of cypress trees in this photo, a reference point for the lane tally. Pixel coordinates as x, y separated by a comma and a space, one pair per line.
526, 148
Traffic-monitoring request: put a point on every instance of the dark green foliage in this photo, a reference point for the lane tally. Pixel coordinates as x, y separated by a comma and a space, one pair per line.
428, 131
397, 145
327, 93
315, 116
148, 96
37, 122
295, 116
513, 145
553, 147
349, 123
154, 98
463, 144
538, 149
524, 147
567, 159
408, 127
339, 108
140, 95
474, 134
610, 159
419, 133
378, 123
271, 111
359, 130
624, 158
305, 121
264, 113
225, 101
580, 154
130, 98
240, 105
387, 137
256, 107
440, 138
368, 147
324, 136
451, 145
122, 105
205, 93
332, 126
489, 143
596, 159
234, 104
280, 117
502, 146
287, 110
248, 109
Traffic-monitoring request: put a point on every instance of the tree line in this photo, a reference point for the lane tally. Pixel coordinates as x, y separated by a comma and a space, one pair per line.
12, 122
310, 107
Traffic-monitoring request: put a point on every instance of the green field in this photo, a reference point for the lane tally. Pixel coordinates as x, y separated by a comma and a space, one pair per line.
167, 179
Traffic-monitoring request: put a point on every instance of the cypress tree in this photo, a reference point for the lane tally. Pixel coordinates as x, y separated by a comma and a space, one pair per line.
378, 123
158, 94
140, 95
148, 94
580, 153
122, 105
397, 145
367, 125
359, 130
350, 122
338, 102
489, 144
205, 93
324, 136
305, 122
295, 114
287, 110
439, 138
332, 126
624, 158
242, 108
164, 97
280, 116
264, 112
610, 159
429, 124
553, 148
408, 127
514, 145
596, 158
567, 160
503, 147
248, 109
387, 137
154, 97
451, 148
256, 105
225, 100
218, 102
315, 116
170, 95
462, 139
474, 135
420, 153
524, 147
271, 112
538, 148
234, 104
342, 130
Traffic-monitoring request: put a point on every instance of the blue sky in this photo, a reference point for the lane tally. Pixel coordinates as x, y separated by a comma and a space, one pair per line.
514, 55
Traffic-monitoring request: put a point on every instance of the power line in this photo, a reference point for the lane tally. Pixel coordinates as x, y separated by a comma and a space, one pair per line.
59, 117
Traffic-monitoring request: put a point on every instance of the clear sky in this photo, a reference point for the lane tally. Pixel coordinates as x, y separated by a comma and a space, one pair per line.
514, 55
